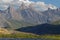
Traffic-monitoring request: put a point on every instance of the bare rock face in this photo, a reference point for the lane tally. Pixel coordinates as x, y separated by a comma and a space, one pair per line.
31, 15
28, 14
4, 15
15, 15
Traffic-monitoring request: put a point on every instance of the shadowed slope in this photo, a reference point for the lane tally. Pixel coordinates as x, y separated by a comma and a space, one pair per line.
41, 29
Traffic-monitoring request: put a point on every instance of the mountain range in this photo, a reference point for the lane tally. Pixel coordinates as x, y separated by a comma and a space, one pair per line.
23, 14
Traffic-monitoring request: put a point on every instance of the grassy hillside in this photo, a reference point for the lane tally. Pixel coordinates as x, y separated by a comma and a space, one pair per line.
19, 35
4, 33
28, 35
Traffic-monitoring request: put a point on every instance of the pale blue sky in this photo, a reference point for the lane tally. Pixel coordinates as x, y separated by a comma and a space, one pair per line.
54, 2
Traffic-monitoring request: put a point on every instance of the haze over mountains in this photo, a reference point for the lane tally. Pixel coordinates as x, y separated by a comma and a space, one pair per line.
25, 11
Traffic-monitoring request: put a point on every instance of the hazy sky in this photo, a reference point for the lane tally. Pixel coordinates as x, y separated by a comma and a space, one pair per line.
54, 2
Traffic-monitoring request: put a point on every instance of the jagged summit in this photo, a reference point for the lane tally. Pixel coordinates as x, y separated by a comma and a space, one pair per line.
29, 12
37, 5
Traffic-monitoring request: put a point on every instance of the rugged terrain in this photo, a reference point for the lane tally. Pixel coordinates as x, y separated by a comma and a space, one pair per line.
23, 15
26, 19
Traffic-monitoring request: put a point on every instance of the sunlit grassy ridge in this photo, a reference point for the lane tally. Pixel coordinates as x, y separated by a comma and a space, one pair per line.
16, 34
22, 35
4, 33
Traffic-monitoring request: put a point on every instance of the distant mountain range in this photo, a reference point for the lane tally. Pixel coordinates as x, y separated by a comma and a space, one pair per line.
23, 15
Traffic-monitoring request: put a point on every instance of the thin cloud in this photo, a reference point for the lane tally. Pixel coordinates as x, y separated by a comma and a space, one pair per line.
42, 5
